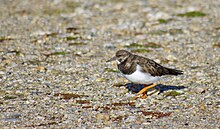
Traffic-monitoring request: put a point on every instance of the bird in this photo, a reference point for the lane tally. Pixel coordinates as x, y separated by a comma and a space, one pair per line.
141, 70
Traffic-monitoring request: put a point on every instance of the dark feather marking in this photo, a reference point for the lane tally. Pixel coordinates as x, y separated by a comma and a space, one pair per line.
128, 66
148, 66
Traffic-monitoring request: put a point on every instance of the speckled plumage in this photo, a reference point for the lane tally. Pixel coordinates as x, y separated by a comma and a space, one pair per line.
145, 69
128, 66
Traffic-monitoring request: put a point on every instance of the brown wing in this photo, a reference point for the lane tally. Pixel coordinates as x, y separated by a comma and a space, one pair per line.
150, 66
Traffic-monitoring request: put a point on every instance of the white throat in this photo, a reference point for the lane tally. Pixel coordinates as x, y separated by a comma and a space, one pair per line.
118, 62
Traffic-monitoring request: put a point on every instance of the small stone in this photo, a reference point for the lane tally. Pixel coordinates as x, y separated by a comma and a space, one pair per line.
101, 117
198, 89
109, 46
131, 119
196, 28
171, 58
199, 74
13, 117
99, 79
40, 68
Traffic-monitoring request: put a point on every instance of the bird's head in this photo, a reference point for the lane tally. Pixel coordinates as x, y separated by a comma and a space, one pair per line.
120, 56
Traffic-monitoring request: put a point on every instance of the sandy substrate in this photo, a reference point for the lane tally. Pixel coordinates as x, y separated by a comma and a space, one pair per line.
53, 70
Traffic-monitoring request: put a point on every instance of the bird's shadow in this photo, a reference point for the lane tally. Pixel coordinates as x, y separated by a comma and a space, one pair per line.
137, 87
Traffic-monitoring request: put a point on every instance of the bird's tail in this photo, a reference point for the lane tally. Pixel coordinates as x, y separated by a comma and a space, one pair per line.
174, 71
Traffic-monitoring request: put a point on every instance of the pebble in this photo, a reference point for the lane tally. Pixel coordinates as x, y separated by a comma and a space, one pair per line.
198, 89
131, 119
109, 46
102, 117
98, 29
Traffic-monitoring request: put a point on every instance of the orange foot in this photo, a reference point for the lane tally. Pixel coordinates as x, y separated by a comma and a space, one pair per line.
143, 93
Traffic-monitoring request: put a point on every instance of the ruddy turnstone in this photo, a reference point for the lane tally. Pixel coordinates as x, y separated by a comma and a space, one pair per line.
141, 70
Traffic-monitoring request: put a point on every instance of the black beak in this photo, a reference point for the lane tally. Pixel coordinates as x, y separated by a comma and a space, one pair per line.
113, 58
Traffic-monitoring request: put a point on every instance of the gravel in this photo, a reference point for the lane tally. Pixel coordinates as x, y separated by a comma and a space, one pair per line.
53, 70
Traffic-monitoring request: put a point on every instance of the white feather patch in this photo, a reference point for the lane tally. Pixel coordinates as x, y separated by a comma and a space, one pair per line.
140, 77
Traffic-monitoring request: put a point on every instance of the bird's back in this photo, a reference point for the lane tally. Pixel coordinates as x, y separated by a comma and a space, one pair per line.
155, 69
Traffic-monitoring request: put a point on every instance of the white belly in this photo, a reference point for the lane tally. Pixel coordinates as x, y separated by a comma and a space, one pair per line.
141, 78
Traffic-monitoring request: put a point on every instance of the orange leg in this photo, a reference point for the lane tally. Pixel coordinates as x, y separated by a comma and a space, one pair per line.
144, 91
144, 95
